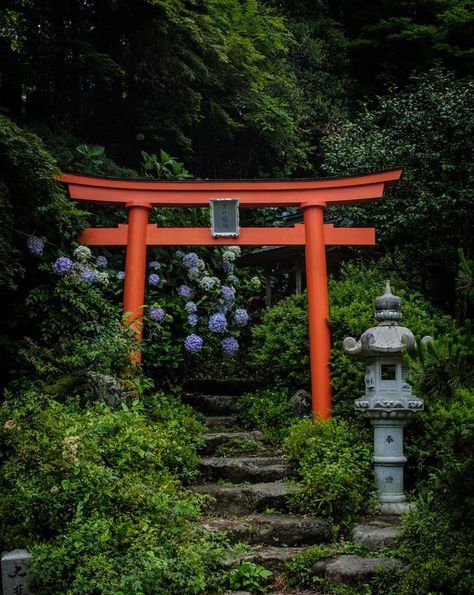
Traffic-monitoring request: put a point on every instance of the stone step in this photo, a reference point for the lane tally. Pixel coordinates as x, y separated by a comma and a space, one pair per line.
240, 469
273, 529
212, 404
354, 570
215, 440
244, 500
271, 557
377, 533
222, 421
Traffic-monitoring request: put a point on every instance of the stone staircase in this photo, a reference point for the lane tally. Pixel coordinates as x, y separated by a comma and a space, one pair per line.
245, 478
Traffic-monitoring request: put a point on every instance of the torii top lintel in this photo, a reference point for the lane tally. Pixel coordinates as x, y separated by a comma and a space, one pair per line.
252, 193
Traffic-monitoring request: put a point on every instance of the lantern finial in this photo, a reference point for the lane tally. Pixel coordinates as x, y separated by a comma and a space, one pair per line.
388, 307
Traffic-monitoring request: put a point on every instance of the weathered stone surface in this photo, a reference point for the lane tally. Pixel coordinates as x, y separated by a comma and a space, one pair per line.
240, 469
353, 570
212, 404
272, 529
241, 500
102, 387
300, 403
271, 557
222, 421
15, 574
214, 440
376, 534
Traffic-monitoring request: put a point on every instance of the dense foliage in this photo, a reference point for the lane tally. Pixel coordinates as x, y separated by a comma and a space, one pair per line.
428, 129
95, 494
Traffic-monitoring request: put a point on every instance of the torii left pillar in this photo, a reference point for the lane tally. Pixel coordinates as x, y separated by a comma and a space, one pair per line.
312, 196
135, 267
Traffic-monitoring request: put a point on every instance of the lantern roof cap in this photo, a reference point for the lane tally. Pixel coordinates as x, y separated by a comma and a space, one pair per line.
386, 338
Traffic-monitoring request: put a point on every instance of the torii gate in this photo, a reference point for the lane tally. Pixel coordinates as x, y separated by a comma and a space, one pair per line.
312, 196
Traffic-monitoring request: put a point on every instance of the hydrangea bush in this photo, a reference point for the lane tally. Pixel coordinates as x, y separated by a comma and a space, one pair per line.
194, 305
205, 303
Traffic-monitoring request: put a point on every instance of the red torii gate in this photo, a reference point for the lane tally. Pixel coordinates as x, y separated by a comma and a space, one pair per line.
312, 196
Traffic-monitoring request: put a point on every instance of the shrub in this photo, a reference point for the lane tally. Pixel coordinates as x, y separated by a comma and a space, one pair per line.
333, 460
266, 410
96, 496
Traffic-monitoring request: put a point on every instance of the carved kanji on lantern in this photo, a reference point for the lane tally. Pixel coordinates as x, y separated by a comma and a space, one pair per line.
312, 196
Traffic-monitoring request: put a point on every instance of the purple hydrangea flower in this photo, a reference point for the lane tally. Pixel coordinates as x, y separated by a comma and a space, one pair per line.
120, 276
101, 262
35, 245
191, 260
241, 317
193, 343
190, 307
184, 291
154, 265
88, 275
228, 293
193, 319
217, 323
62, 266
156, 314
153, 279
230, 346
227, 267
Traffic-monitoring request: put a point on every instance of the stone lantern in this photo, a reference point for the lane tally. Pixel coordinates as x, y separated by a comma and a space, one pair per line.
388, 401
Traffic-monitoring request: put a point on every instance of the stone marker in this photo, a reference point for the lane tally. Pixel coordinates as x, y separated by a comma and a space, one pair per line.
15, 575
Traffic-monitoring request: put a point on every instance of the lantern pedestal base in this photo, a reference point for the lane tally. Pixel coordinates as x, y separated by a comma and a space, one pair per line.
393, 508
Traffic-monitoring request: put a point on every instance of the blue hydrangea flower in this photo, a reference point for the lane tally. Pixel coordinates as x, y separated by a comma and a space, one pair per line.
156, 314
35, 245
62, 266
153, 279
233, 280
228, 293
227, 267
190, 307
179, 254
230, 346
217, 323
191, 260
88, 275
101, 262
193, 343
154, 265
193, 273
82, 253
241, 317
193, 319
184, 291
120, 276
